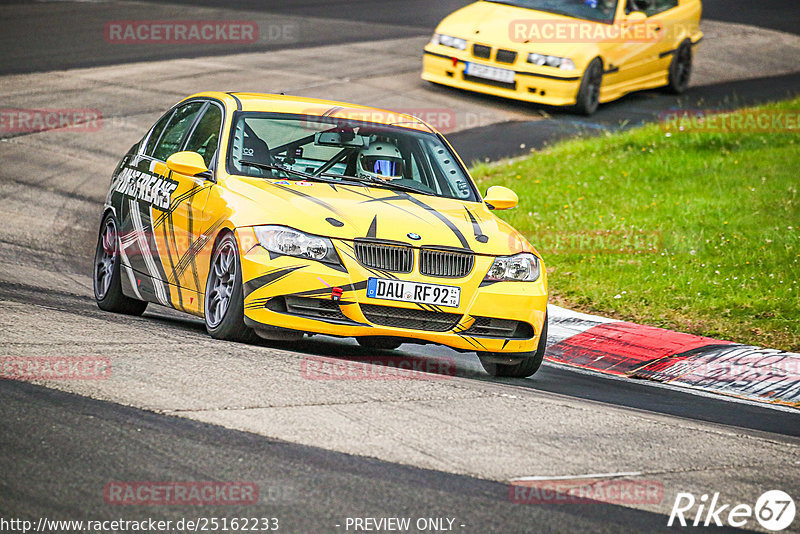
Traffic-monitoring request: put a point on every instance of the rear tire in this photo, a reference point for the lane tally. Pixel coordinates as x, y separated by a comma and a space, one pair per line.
107, 274
378, 343
224, 301
527, 367
588, 98
680, 69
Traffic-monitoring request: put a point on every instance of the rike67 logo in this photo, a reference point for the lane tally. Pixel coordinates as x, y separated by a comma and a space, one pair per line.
774, 510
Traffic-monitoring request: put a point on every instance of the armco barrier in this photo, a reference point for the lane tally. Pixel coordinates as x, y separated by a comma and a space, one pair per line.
643, 352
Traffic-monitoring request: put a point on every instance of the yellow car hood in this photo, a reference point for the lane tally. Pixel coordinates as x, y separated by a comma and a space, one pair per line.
348, 212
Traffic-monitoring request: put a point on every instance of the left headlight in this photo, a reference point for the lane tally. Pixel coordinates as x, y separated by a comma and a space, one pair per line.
519, 268
563, 63
448, 40
291, 242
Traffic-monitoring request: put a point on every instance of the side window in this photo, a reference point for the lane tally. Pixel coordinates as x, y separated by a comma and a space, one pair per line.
205, 138
650, 7
173, 135
661, 5
156, 135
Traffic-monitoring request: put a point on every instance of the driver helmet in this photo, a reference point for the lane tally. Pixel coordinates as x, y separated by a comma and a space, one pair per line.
380, 160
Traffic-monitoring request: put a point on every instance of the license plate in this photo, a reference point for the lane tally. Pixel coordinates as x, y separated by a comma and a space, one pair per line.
490, 73
403, 291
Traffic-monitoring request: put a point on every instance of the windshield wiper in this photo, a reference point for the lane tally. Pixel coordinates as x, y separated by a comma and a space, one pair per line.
273, 167
378, 182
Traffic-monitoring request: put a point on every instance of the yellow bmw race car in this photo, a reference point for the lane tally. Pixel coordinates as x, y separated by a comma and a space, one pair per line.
279, 216
566, 52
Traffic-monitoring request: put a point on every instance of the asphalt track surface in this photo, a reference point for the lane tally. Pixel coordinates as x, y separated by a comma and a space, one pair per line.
60, 449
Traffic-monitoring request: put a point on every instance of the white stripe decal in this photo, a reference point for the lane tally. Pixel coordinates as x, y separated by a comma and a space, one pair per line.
144, 248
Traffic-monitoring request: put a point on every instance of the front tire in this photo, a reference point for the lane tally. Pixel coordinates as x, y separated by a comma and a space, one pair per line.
588, 98
527, 367
680, 69
107, 275
224, 297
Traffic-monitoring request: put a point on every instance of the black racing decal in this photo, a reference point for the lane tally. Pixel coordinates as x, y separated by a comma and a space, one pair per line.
150, 188
388, 203
177, 201
310, 198
270, 278
442, 218
373, 228
421, 204
476, 228
331, 111
472, 341
193, 261
194, 249
335, 222
327, 290
505, 342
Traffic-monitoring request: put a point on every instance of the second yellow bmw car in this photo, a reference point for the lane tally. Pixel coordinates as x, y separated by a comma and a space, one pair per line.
278, 216
566, 52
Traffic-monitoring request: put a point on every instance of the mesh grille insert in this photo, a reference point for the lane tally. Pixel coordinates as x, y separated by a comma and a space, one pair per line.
500, 328
410, 318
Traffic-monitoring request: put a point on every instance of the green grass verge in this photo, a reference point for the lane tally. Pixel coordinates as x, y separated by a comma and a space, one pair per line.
689, 230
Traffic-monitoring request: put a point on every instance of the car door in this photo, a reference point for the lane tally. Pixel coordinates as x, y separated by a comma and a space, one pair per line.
191, 224
638, 57
155, 207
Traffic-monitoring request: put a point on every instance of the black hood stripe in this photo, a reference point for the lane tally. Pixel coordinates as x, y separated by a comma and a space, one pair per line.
269, 278
476, 228
429, 209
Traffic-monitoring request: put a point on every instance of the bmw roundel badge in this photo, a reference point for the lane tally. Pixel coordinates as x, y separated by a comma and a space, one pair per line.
415, 237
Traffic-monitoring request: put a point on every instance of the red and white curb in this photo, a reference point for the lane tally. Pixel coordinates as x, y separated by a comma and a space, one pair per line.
636, 351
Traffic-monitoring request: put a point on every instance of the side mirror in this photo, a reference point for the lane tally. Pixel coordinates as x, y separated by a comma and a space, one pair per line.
188, 163
500, 198
636, 17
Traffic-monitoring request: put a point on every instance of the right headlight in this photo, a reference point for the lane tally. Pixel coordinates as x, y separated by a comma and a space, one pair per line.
563, 63
448, 40
290, 242
522, 267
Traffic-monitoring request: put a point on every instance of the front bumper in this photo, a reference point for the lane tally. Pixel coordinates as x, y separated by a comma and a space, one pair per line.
297, 294
553, 89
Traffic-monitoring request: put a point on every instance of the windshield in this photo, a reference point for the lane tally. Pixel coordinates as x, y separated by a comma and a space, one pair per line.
274, 145
594, 10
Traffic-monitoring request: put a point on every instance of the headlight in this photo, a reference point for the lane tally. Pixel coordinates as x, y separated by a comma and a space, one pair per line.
563, 63
447, 40
520, 268
290, 242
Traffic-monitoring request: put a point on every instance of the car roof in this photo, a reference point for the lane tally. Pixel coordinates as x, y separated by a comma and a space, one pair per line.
273, 103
